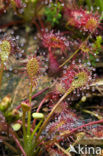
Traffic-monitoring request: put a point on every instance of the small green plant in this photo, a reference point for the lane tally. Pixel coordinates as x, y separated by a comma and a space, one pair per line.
53, 13
11, 115
97, 46
97, 43
28, 135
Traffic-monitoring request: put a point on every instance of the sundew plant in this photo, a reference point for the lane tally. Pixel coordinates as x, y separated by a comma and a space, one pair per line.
51, 77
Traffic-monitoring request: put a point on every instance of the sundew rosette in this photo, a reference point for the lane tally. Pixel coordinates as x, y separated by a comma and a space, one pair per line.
56, 129
92, 23
54, 40
74, 77
82, 19
32, 68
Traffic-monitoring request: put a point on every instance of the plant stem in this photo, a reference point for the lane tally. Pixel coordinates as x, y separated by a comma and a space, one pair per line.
20, 122
17, 142
36, 128
69, 58
10, 147
1, 72
93, 113
63, 150
24, 129
53, 110
11, 24
75, 51
40, 105
68, 132
29, 113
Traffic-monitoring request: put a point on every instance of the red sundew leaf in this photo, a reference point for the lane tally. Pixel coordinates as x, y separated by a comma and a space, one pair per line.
18, 3
82, 19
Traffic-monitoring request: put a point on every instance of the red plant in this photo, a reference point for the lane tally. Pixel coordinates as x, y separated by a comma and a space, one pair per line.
53, 97
53, 64
18, 3
82, 19
65, 121
86, 50
98, 132
54, 40
62, 109
76, 76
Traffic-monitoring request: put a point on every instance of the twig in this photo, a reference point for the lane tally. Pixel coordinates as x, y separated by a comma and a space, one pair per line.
68, 132
64, 151
53, 110
10, 146
11, 23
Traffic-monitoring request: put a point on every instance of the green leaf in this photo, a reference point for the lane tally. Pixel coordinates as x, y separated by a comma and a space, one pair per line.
16, 126
38, 115
89, 3
53, 14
